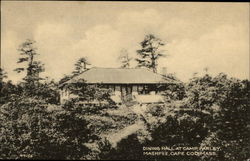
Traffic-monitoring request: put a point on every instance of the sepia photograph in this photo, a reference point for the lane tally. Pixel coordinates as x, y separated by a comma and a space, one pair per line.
120, 80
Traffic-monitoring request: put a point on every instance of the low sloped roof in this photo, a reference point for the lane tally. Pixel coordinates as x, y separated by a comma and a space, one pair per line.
120, 76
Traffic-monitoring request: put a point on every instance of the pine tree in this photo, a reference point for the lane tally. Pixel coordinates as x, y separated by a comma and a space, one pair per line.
28, 53
124, 59
81, 65
150, 52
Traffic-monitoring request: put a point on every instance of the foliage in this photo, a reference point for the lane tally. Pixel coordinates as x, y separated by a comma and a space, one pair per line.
129, 148
181, 128
150, 52
30, 131
7, 90
120, 118
226, 101
85, 92
65, 79
42, 91
28, 53
104, 148
156, 110
214, 113
3, 75
175, 91
206, 111
4, 87
24, 127
230, 126
202, 92
73, 132
80, 65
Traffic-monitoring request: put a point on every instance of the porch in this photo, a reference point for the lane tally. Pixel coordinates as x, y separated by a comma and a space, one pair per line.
141, 93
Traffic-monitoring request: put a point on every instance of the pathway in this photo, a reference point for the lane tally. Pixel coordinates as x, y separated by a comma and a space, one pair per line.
125, 132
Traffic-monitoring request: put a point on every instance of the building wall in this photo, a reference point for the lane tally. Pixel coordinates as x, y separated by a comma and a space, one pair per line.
65, 95
116, 91
136, 89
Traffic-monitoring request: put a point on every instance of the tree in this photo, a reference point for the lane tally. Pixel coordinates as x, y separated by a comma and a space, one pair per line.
28, 130
72, 132
28, 53
3, 75
150, 52
81, 65
124, 59
226, 102
231, 121
25, 123
65, 79
85, 92
6, 88
124, 150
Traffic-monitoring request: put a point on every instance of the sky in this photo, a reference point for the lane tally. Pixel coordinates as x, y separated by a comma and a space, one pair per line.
197, 35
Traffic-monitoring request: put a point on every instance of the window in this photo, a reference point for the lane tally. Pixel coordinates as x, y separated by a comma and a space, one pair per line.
146, 89
143, 89
140, 89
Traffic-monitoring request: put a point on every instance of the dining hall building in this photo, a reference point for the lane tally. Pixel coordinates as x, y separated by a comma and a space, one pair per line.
138, 84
